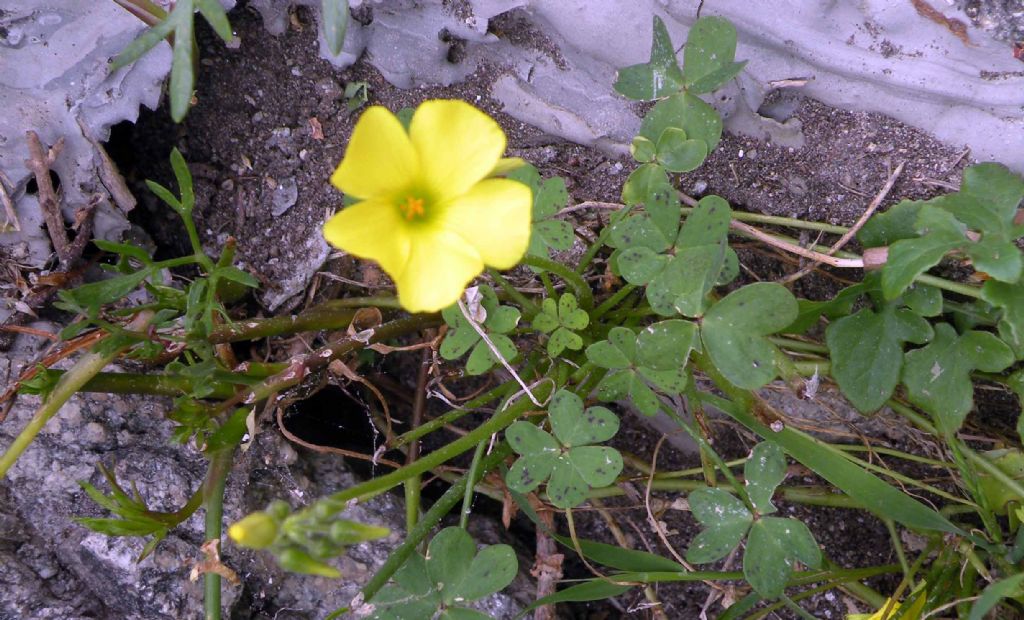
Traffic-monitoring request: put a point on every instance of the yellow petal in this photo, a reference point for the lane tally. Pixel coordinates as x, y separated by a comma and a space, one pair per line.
440, 266
380, 160
457, 144
371, 229
493, 217
506, 165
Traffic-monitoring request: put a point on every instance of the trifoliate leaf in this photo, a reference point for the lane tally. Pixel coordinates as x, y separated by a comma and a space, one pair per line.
685, 111
666, 345
574, 426
616, 352
642, 150
938, 376
866, 349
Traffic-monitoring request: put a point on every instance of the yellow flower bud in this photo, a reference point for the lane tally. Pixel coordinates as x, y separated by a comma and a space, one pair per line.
256, 531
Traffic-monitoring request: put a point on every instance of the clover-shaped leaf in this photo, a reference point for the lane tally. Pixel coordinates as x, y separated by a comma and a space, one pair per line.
569, 461
677, 153
575, 427
734, 332
657, 227
773, 545
708, 57
938, 376
643, 150
684, 111
681, 283
562, 319
452, 574
725, 520
461, 337
764, 471
656, 356
866, 349
549, 197
657, 78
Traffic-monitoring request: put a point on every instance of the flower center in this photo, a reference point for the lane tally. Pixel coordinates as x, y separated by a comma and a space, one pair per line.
412, 208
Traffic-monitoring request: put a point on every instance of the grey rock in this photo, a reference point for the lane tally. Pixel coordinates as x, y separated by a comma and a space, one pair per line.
284, 196
52, 567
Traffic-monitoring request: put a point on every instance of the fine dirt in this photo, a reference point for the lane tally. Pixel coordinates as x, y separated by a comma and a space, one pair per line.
271, 115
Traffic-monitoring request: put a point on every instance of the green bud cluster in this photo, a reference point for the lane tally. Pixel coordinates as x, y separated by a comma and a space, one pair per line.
302, 541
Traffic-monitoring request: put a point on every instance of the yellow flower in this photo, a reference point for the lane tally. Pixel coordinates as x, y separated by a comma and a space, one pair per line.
429, 212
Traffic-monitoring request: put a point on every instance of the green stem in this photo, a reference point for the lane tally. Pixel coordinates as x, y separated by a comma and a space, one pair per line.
611, 302
333, 314
897, 545
412, 502
375, 486
220, 467
87, 367
741, 490
451, 416
326, 354
798, 579
467, 498
947, 285
573, 279
433, 516
776, 220
197, 246
529, 308
798, 610
808, 496
160, 384
893, 452
993, 470
798, 345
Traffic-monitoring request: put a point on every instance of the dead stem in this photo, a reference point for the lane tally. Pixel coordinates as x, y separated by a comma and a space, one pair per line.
838, 245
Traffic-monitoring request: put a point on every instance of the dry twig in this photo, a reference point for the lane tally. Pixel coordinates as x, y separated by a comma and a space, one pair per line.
838, 245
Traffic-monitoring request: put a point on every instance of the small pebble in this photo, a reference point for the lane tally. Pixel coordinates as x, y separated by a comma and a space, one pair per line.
284, 196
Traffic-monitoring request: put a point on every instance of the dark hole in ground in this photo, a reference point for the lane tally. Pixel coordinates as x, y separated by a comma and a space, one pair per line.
32, 187
338, 418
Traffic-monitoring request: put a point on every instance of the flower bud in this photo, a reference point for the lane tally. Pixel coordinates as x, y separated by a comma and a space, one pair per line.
350, 532
279, 509
256, 531
298, 561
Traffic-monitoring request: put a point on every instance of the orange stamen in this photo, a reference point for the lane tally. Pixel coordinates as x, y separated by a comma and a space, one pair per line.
412, 207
